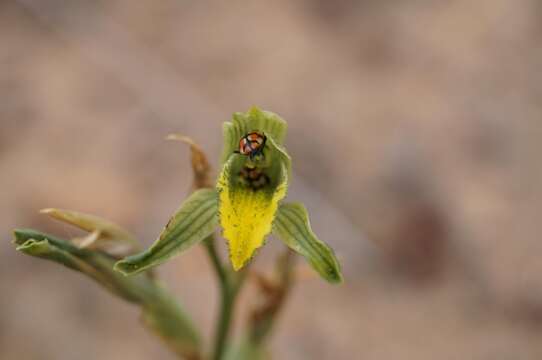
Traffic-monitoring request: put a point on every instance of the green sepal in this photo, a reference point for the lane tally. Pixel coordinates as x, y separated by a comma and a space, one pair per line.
196, 219
272, 125
292, 226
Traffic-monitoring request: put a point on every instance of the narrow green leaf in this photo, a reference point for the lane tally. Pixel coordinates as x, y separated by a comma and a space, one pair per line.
21, 236
160, 312
95, 264
41, 246
196, 219
292, 226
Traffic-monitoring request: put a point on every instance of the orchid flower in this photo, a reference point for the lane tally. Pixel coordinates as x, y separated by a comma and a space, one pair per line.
247, 204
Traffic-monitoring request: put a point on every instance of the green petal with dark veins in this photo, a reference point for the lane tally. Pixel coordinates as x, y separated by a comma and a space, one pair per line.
196, 219
293, 228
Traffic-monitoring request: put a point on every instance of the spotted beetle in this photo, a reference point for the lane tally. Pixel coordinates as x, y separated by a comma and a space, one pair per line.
252, 144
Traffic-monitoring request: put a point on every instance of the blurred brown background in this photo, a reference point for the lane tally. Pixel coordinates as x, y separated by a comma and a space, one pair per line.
415, 130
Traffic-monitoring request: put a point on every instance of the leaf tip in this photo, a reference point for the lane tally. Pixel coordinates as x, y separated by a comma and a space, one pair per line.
17, 236
125, 268
20, 236
336, 278
179, 137
132, 265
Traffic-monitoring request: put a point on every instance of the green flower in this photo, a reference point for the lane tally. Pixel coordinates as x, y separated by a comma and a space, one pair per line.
246, 204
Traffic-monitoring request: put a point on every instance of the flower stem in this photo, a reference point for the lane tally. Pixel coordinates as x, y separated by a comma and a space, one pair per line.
230, 284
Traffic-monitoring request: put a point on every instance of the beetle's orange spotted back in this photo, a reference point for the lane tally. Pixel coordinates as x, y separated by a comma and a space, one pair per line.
252, 144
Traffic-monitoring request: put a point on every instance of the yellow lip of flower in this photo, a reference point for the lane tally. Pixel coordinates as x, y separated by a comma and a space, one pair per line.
246, 215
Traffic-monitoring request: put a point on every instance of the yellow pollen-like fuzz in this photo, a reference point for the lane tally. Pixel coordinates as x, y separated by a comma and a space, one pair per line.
246, 217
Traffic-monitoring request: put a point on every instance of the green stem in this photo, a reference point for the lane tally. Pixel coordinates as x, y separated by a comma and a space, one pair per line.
216, 261
230, 284
224, 322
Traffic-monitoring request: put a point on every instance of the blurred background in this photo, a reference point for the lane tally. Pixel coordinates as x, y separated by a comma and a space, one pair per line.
415, 131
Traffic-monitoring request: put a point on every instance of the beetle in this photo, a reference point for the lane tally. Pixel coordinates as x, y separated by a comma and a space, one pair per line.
252, 144
253, 177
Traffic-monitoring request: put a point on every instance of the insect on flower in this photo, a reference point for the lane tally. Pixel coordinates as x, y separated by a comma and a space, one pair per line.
247, 203
252, 144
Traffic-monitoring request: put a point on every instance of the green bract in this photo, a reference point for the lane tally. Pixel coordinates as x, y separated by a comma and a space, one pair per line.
246, 204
